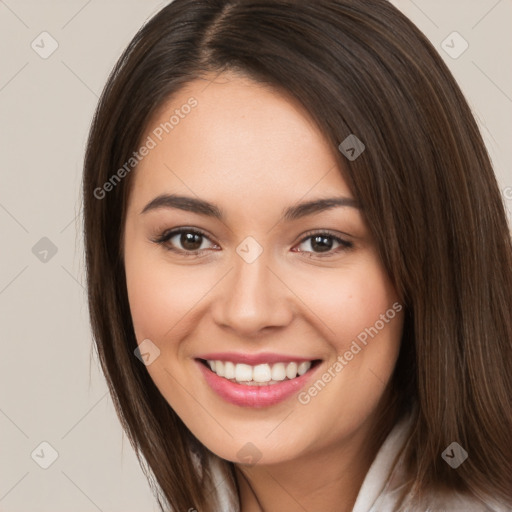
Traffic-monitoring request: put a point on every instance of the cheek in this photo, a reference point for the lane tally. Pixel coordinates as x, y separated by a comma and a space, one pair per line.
156, 296
145, 298
351, 301
361, 310
163, 297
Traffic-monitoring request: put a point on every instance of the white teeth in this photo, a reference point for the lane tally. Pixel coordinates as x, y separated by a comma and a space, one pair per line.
259, 374
219, 368
229, 370
278, 371
291, 370
303, 368
243, 372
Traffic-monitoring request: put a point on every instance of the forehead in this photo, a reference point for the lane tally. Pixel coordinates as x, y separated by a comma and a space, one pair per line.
227, 136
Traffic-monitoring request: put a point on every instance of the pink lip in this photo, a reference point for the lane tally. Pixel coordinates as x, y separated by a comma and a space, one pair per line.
253, 359
254, 396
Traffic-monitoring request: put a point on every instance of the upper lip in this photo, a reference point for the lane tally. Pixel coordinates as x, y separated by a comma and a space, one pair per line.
253, 359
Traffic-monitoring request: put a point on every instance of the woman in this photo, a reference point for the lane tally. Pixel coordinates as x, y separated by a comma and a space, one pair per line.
299, 265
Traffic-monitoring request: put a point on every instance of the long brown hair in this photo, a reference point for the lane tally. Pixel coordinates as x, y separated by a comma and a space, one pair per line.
426, 187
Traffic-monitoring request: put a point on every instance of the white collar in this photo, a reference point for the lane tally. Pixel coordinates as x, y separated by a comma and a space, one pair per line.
382, 483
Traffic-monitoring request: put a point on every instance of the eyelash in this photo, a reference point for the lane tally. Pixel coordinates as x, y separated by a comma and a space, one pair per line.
164, 238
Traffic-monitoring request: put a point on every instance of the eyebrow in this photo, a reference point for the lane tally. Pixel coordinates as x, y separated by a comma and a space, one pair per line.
206, 208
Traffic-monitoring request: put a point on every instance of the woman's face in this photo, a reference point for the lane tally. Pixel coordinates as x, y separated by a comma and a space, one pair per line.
262, 277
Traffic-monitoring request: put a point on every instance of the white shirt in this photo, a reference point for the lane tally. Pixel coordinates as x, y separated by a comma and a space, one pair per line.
382, 486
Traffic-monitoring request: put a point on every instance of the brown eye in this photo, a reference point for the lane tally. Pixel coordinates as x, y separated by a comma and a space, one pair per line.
323, 244
191, 241
185, 241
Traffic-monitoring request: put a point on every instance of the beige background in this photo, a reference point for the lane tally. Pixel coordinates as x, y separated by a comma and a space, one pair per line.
52, 390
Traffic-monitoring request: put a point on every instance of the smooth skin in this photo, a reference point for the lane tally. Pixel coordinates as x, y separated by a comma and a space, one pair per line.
253, 151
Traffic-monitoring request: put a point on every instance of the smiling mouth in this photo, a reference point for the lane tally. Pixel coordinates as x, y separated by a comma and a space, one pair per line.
261, 374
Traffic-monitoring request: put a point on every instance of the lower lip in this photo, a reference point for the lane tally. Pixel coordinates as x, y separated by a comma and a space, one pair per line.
254, 396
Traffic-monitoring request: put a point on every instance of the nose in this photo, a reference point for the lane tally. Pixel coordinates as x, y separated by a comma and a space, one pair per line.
253, 299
